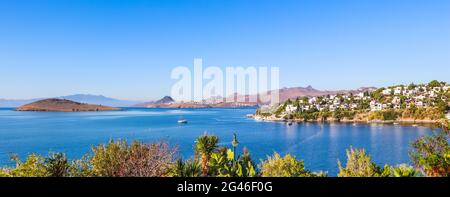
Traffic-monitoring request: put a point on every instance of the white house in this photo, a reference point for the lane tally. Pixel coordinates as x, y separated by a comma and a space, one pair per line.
386, 91
290, 108
432, 94
376, 107
332, 107
437, 89
396, 100
336, 101
419, 103
420, 97
446, 88
398, 90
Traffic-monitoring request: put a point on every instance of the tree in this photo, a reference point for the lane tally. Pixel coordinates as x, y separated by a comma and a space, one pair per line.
411, 86
204, 147
434, 83
360, 165
287, 166
431, 154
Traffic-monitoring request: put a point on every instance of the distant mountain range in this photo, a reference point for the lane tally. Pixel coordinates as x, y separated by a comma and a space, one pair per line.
81, 98
219, 102
293, 93
167, 101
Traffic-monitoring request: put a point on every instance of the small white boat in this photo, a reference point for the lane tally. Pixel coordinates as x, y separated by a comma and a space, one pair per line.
414, 125
182, 121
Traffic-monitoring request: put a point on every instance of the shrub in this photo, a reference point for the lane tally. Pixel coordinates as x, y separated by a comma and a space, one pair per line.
287, 166
222, 164
143, 160
431, 154
33, 166
360, 165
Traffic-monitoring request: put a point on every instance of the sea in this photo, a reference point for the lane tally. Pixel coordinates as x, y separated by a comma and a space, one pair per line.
319, 145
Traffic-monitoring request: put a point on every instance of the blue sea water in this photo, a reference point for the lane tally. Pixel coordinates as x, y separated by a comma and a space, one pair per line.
319, 145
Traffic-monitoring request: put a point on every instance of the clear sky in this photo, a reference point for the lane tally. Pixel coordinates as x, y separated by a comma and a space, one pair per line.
127, 49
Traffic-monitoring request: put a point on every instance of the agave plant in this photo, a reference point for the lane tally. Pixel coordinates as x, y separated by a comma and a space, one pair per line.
404, 170
188, 168
57, 165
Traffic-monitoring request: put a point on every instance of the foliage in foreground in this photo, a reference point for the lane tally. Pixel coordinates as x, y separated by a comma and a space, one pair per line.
359, 164
430, 157
115, 159
287, 166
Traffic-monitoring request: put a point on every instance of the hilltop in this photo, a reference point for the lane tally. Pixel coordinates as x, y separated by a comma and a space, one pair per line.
63, 105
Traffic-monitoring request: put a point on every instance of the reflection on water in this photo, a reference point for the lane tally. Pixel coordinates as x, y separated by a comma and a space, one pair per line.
320, 145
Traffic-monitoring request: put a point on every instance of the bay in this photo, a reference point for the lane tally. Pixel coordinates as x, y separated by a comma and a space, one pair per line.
320, 145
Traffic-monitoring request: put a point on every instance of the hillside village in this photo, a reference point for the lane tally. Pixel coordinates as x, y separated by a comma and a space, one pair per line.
395, 99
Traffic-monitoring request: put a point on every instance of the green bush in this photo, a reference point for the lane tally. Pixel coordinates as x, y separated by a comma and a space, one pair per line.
287, 166
404, 170
360, 165
431, 154
33, 166
136, 159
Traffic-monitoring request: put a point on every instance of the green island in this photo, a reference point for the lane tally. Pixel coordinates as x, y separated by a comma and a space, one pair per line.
413, 103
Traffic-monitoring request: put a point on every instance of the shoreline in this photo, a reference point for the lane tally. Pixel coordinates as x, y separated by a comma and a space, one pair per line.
425, 122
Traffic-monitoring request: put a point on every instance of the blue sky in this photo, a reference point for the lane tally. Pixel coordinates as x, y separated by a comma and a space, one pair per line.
127, 49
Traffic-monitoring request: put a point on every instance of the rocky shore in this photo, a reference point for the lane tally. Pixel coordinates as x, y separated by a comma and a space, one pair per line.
273, 118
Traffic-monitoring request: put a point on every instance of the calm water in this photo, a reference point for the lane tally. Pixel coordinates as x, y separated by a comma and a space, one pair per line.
320, 145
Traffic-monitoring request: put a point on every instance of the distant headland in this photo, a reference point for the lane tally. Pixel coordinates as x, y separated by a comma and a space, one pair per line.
63, 105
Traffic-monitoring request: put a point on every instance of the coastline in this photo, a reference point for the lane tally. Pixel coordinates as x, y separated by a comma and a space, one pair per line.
422, 122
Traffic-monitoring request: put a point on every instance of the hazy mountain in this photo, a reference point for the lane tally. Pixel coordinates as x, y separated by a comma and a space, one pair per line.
99, 100
295, 92
166, 99
163, 101
285, 93
81, 98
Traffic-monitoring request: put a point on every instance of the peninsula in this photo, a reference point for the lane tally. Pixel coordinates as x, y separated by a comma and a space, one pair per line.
413, 103
63, 105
